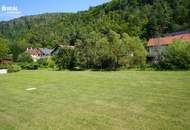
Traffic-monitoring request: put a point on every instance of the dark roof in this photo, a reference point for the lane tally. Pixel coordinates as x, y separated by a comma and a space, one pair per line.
62, 46
177, 33
46, 51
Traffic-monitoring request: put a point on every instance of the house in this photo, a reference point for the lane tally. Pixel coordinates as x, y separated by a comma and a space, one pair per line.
34, 53
6, 60
45, 52
57, 49
37, 53
155, 46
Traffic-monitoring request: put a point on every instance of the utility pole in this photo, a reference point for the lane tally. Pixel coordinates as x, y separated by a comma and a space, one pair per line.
158, 48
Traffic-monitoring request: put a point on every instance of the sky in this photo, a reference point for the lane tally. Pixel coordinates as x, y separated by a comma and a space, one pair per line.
10, 9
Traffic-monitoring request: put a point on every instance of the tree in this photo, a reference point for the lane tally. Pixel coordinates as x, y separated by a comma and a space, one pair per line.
115, 47
3, 48
66, 58
87, 49
142, 18
160, 20
25, 57
104, 59
115, 51
176, 56
16, 48
132, 52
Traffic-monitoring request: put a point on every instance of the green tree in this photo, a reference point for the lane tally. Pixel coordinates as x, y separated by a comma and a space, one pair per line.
104, 59
16, 48
87, 49
25, 57
160, 17
133, 52
115, 45
3, 48
66, 58
142, 18
176, 56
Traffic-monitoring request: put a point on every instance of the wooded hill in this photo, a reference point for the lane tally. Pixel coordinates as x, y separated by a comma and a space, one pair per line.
142, 18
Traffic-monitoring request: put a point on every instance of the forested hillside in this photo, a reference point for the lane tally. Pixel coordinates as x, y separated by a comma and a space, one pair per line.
143, 18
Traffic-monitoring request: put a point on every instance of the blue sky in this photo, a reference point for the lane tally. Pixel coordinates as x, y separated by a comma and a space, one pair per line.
32, 7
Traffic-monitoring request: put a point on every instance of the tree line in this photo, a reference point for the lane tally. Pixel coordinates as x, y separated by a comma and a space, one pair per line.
111, 51
142, 18
99, 32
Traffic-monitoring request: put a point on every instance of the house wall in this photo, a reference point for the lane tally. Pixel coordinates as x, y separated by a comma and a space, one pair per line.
153, 50
5, 61
35, 58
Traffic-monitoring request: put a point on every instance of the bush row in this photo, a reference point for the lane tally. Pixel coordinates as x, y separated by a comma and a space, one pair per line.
29, 66
11, 68
175, 56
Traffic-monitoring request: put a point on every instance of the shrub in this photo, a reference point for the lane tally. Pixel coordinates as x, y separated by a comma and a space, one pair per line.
46, 62
13, 68
3, 66
42, 62
176, 56
25, 57
51, 63
29, 66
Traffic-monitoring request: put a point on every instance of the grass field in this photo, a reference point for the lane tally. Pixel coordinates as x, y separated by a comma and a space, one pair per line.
125, 100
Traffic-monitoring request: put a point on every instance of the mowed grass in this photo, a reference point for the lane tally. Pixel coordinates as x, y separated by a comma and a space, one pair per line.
86, 100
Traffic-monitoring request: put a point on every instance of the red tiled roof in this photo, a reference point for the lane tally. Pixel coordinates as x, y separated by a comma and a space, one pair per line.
34, 51
168, 39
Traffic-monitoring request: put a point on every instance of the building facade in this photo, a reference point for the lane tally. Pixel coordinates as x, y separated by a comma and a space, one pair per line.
156, 46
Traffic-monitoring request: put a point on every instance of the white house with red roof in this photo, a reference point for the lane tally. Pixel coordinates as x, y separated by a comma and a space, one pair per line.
37, 53
156, 45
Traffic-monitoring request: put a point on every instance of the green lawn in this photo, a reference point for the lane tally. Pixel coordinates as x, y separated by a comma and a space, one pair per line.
123, 100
